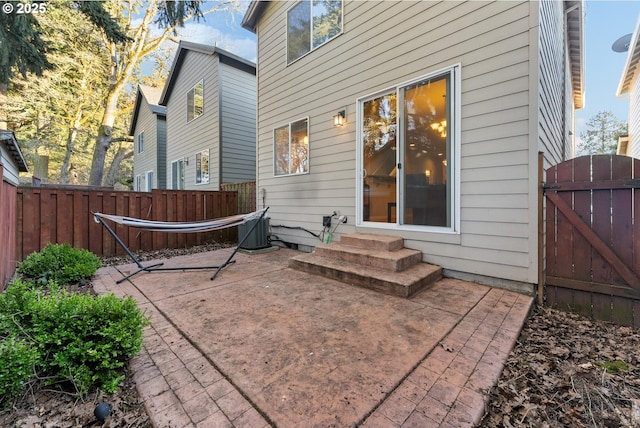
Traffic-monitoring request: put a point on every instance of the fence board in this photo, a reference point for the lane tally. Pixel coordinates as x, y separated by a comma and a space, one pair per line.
246, 195
593, 255
8, 213
63, 215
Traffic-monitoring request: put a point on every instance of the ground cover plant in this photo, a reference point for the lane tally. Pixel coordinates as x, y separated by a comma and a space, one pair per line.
55, 334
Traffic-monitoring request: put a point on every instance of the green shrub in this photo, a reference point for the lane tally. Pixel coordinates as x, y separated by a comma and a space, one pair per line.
17, 361
60, 263
87, 339
80, 338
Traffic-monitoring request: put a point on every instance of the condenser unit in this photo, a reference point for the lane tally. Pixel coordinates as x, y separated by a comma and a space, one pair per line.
259, 237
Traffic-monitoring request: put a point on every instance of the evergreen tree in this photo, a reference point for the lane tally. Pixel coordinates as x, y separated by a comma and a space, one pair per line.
601, 135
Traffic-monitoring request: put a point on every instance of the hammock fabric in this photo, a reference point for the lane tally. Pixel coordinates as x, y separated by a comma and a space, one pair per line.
179, 227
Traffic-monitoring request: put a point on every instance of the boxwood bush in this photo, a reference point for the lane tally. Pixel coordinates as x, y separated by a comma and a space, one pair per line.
66, 338
61, 263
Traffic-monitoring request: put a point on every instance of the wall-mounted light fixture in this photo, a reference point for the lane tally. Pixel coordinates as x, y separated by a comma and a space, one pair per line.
340, 118
186, 160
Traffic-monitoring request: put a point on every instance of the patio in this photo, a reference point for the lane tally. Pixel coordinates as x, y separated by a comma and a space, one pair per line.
266, 345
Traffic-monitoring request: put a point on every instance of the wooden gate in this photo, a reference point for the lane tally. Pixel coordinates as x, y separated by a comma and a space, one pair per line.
593, 238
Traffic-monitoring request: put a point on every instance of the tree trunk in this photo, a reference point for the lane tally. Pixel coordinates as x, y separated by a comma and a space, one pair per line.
112, 173
103, 141
71, 140
3, 102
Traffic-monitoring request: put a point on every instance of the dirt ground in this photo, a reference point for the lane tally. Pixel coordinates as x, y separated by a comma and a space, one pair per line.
565, 371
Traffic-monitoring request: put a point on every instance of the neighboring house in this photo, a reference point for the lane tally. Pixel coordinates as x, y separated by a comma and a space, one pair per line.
210, 97
11, 158
11, 164
630, 87
149, 131
443, 106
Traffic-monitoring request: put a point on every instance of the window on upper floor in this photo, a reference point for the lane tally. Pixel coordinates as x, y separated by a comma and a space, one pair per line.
291, 148
202, 167
310, 24
195, 101
140, 142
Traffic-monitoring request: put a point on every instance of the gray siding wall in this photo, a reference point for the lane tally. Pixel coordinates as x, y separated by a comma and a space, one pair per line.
555, 98
384, 44
186, 139
238, 124
148, 159
10, 172
161, 152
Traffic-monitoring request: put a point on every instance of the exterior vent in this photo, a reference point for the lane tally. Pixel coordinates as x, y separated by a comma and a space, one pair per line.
259, 237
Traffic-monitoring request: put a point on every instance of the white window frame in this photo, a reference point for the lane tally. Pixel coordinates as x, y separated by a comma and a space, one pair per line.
289, 163
180, 184
193, 91
453, 130
140, 142
140, 180
199, 157
311, 47
148, 181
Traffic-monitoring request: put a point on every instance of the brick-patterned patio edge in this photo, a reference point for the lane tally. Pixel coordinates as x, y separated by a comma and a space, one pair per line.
179, 386
450, 387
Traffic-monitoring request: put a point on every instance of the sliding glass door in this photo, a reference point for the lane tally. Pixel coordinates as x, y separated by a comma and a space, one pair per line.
405, 154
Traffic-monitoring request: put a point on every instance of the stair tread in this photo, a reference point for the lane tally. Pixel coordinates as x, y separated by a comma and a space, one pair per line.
390, 255
370, 240
407, 277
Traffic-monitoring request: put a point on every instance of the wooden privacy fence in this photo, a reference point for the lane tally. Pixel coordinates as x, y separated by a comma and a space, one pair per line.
7, 230
63, 215
246, 195
593, 238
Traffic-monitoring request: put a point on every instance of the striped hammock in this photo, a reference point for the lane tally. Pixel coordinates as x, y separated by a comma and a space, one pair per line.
179, 226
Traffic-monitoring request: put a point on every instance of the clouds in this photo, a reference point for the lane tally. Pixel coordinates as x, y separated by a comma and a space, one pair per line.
235, 40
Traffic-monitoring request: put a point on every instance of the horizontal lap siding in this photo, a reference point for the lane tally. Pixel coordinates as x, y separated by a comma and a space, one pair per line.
384, 44
147, 159
634, 122
186, 139
161, 153
554, 95
238, 124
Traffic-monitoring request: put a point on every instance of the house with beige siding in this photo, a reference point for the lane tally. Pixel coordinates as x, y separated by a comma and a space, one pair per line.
422, 120
630, 87
210, 97
149, 131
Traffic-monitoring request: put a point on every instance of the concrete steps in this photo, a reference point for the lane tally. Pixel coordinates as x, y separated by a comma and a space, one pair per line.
377, 262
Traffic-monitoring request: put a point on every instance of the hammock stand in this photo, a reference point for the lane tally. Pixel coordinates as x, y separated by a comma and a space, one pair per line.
178, 227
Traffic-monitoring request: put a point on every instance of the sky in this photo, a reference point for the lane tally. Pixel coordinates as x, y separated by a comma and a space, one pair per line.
605, 22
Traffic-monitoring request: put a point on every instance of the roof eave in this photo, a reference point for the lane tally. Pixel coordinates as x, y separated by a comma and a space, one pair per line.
12, 144
575, 11
251, 16
186, 46
632, 65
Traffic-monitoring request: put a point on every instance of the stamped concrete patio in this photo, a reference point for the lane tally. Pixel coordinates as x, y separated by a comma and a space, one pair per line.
264, 345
